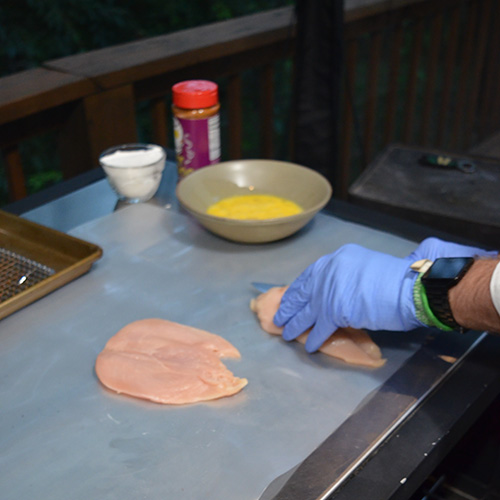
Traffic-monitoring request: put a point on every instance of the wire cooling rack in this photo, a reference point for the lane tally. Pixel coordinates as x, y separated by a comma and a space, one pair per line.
18, 273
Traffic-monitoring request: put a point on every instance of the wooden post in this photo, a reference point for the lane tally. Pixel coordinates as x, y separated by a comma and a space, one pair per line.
97, 122
159, 120
267, 111
235, 119
15, 175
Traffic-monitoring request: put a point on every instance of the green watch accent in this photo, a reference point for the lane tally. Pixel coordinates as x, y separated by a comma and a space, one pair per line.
422, 308
419, 303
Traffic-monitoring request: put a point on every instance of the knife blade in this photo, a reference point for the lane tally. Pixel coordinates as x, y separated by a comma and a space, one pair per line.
264, 287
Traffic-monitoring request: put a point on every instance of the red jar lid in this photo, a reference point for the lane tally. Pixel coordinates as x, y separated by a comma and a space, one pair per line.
194, 94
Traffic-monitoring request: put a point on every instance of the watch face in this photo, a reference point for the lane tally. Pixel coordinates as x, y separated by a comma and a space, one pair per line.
448, 268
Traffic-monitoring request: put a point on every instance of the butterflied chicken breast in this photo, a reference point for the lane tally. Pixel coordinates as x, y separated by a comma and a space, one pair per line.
348, 344
168, 363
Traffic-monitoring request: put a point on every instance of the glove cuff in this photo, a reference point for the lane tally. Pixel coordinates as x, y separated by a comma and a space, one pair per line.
423, 311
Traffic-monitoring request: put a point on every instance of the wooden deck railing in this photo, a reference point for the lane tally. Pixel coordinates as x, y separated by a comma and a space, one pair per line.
431, 72
417, 71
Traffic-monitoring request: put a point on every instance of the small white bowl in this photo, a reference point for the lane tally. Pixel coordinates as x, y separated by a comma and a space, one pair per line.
134, 171
306, 187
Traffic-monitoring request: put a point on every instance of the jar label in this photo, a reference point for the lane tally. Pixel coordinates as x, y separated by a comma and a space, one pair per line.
197, 143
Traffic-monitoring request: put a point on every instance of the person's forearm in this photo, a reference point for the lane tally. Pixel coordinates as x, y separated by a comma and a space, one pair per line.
470, 300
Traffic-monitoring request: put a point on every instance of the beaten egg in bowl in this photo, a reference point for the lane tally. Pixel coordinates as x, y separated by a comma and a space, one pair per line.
254, 206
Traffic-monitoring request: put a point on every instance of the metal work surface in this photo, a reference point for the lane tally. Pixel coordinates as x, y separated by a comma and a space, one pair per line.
62, 435
323, 472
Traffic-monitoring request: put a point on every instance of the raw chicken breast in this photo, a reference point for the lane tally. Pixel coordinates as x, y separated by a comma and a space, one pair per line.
168, 363
351, 345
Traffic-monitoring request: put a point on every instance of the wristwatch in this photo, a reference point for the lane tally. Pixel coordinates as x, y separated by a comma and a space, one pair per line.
444, 274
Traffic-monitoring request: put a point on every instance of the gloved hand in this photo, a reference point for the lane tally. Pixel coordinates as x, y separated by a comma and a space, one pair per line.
433, 248
353, 287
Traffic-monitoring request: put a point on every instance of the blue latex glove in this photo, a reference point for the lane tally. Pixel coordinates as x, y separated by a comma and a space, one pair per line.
353, 287
433, 248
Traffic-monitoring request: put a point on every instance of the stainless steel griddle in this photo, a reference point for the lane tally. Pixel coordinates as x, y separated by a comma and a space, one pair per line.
63, 435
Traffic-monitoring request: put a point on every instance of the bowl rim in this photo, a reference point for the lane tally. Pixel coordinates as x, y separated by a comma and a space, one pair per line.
133, 146
251, 222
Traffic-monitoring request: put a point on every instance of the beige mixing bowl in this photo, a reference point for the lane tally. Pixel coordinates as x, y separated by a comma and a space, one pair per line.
206, 186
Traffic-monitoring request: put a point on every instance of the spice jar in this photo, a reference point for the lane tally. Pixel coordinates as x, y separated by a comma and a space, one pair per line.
196, 124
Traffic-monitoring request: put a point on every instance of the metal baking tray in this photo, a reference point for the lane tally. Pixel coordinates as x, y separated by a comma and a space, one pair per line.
35, 260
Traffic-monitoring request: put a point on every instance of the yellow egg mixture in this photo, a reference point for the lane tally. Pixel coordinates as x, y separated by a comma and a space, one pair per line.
254, 206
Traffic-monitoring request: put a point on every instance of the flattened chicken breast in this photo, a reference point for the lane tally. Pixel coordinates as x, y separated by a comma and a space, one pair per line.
348, 344
168, 363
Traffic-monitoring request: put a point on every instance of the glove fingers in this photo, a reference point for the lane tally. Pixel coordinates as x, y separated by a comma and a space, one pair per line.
293, 300
321, 331
301, 322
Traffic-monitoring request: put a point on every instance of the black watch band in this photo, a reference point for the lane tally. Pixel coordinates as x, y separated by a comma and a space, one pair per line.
440, 306
444, 274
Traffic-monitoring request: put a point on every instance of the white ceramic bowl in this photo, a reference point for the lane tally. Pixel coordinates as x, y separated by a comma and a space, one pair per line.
206, 186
